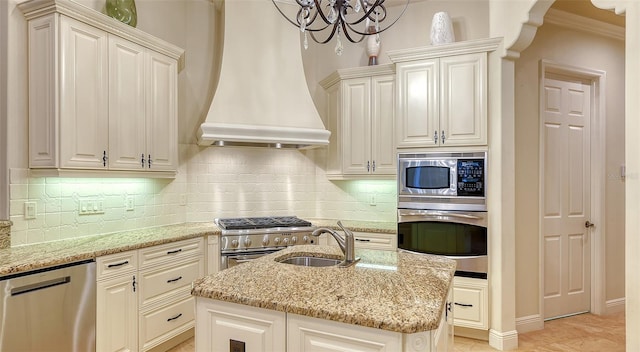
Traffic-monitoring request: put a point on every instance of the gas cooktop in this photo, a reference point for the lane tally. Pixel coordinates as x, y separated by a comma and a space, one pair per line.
261, 222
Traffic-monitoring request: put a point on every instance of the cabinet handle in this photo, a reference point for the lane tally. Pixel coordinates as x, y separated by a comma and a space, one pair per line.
149, 160
175, 251
362, 240
374, 166
104, 158
142, 161
435, 137
174, 280
368, 166
134, 283
463, 304
174, 318
118, 264
443, 137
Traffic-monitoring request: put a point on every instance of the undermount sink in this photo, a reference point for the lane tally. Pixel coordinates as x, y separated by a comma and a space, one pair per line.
310, 261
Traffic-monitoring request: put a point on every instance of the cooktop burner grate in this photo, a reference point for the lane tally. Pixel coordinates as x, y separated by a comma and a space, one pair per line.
261, 222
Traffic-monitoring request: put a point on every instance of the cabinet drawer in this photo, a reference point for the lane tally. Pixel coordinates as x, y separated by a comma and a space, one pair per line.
470, 303
162, 324
158, 283
171, 252
382, 241
116, 264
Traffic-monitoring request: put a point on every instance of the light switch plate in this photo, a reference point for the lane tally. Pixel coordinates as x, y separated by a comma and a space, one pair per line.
30, 210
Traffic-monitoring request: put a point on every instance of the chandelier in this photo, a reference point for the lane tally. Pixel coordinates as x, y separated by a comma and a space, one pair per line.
355, 19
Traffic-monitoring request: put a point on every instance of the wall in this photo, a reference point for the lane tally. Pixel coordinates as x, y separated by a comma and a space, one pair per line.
584, 50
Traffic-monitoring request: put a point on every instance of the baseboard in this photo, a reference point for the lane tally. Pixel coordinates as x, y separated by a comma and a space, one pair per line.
476, 334
529, 323
615, 305
503, 341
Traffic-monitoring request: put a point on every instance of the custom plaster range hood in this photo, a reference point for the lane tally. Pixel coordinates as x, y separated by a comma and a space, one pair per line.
262, 98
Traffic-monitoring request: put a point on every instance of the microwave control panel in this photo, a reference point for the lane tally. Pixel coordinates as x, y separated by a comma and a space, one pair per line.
471, 174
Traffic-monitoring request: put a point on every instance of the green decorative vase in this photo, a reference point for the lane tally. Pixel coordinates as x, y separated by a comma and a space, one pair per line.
123, 10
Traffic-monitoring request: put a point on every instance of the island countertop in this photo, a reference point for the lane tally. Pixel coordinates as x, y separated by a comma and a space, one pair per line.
391, 290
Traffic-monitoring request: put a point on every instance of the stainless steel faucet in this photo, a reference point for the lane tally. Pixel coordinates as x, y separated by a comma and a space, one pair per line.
346, 244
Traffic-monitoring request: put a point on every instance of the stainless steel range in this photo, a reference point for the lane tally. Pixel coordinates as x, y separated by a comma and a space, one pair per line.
245, 239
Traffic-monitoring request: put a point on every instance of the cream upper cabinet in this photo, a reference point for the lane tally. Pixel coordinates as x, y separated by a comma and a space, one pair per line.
442, 94
360, 114
102, 95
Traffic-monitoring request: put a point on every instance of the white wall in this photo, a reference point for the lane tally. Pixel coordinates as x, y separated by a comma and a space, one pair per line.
583, 50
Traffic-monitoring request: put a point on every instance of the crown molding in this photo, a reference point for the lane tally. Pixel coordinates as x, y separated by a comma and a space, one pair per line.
584, 24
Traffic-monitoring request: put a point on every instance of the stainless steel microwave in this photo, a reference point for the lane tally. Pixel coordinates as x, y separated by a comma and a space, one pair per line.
442, 181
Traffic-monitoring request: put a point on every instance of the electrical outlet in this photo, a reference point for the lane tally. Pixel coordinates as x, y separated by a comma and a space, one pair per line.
372, 200
30, 210
130, 203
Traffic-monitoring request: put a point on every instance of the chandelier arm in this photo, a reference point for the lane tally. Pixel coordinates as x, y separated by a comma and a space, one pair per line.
333, 31
283, 15
346, 25
319, 11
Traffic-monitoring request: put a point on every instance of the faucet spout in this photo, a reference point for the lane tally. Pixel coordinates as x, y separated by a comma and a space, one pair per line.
346, 244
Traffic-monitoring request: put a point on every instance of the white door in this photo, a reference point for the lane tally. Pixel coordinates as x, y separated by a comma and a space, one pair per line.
566, 182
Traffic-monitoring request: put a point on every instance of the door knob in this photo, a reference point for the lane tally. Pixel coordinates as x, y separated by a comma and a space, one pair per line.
589, 224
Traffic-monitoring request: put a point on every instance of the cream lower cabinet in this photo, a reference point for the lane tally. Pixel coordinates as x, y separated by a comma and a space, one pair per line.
367, 240
442, 94
360, 116
471, 303
102, 95
221, 326
144, 297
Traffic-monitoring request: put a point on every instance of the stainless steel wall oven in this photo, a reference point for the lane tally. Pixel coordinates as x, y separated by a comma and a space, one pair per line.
442, 207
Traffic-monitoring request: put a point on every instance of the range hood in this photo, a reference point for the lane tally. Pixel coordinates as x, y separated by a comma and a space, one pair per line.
262, 98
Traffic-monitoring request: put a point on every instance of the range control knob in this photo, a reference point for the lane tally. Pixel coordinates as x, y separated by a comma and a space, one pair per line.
247, 242
294, 239
265, 241
234, 243
285, 241
276, 240
305, 239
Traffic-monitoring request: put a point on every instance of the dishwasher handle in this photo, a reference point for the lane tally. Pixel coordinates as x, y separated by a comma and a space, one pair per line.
40, 285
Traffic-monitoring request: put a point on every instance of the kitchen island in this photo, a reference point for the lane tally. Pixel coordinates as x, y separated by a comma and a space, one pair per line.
389, 300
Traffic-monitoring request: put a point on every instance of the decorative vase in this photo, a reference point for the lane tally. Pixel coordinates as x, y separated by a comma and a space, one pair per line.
442, 29
373, 46
123, 10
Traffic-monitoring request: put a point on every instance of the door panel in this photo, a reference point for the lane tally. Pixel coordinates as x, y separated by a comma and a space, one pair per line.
566, 183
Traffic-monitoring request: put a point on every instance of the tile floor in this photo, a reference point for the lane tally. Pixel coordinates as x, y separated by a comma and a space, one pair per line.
580, 333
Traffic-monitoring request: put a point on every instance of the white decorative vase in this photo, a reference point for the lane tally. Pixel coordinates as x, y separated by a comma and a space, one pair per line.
373, 46
442, 29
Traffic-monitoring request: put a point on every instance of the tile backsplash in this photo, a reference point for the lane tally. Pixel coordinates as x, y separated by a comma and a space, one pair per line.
211, 183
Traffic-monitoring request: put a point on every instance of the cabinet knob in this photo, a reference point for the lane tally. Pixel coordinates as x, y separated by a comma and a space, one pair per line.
149, 160
442, 137
368, 166
104, 158
374, 166
142, 160
435, 137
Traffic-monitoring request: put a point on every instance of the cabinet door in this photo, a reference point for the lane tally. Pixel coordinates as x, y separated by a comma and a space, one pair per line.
117, 315
356, 126
83, 95
383, 150
381, 241
417, 84
126, 105
161, 112
463, 99
312, 334
470, 303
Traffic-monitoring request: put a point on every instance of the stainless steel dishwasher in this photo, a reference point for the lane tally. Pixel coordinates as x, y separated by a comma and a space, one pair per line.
52, 309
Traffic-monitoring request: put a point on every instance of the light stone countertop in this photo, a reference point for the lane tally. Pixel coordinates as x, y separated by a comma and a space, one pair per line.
396, 291
31, 257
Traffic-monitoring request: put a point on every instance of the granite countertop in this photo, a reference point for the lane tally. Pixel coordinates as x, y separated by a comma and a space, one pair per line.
30, 257
396, 291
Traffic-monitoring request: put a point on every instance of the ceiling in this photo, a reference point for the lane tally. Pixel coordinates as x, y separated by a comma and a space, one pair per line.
586, 9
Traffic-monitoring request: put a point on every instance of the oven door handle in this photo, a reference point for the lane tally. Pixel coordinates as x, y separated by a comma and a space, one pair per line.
441, 214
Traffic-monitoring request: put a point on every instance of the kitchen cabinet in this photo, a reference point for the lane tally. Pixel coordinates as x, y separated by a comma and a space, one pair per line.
116, 302
442, 94
367, 240
144, 296
221, 325
471, 303
213, 254
102, 95
360, 116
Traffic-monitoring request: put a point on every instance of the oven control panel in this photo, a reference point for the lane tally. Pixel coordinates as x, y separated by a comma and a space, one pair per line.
262, 242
